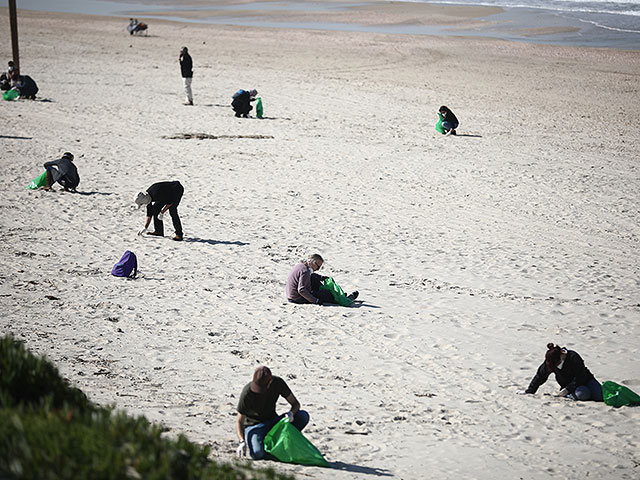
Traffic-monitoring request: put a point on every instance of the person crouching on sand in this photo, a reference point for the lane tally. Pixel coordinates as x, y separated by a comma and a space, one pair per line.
303, 284
64, 172
159, 198
575, 379
257, 411
449, 120
241, 102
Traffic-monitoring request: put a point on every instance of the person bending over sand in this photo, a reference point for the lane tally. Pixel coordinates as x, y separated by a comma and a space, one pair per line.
241, 103
159, 198
449, 120
303, 284
575, 379
64, 172
257, 411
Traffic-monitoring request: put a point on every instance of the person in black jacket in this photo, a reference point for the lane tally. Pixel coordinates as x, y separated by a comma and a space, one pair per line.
186, 68
241, 102
449, 121
159, 198
27, 87
575, 379
64, 172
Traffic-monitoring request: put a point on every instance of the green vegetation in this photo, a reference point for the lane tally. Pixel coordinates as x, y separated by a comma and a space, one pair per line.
49, 430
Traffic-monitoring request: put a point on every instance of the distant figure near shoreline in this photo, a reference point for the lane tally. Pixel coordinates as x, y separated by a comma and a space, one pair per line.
186, 69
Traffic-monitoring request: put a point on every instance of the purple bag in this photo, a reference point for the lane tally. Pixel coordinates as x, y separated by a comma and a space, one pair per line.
127, 264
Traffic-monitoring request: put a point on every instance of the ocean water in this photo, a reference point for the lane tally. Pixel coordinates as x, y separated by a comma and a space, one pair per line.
616, 15
593, 23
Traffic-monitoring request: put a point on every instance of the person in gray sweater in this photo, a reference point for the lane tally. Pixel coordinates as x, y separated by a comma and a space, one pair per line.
64, 172
303, 284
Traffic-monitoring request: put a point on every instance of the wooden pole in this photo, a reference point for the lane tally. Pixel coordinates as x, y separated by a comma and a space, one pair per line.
13, 19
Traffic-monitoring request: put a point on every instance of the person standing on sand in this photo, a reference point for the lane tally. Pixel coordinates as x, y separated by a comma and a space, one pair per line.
257, 411
159, 198
575, 379
186, 68
64, 172
303, 284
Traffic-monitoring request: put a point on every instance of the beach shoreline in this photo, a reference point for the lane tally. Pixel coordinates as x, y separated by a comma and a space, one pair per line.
470, 252
530, 25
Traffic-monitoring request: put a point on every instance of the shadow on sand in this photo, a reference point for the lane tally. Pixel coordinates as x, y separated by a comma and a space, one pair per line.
468, 135
213, 242
349, 467
94, 193
16, 138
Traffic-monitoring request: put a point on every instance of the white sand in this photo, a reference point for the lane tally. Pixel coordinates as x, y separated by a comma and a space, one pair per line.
470, 253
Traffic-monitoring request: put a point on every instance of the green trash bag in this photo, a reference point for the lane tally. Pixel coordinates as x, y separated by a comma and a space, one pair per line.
618, 395
439, 126
11, 94
259, 109
39, 181
287, 444
338, 294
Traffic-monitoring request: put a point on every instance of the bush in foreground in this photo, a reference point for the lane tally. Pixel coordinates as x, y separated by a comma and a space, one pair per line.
49, 430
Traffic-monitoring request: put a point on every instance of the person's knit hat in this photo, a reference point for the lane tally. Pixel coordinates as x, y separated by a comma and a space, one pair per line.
552, 357
143, 198
261, 379
253, 92
68, 155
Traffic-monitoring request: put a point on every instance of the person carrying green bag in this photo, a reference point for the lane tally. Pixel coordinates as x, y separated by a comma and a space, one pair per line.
257, 412
304, 285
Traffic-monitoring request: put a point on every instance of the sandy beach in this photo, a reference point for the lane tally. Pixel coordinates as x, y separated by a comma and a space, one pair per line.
470, 253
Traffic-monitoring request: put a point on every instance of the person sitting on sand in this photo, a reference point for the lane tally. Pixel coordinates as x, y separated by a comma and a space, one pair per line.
449, 121
26, 86
257, 411
241, 102
62, 171
575, 379
159, 198
303, 284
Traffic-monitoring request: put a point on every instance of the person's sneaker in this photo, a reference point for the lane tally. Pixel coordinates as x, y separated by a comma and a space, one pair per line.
155, 234
353, 295
178, 238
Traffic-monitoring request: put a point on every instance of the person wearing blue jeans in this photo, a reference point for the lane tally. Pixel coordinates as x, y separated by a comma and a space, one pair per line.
257, 411
574, 378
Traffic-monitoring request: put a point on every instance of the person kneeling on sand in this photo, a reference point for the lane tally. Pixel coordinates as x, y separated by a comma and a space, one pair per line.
241, 102
575, 379
64, 172
159, 198
449, 120
303, 284
257, 411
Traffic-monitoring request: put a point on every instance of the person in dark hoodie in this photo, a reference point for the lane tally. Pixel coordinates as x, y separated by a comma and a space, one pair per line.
575, 379
449, 120
241, 102
159, 198
64, 172
186, 68
26, 86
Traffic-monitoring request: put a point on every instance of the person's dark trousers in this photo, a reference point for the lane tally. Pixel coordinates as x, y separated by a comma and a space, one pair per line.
242, 109
158, 225
325, 296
